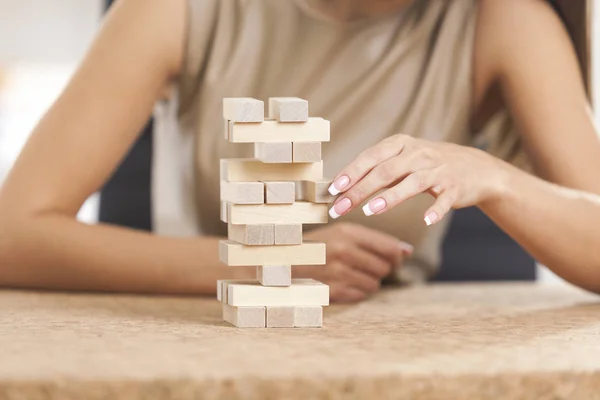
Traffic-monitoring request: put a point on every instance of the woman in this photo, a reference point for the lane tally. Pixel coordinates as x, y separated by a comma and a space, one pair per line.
442, 73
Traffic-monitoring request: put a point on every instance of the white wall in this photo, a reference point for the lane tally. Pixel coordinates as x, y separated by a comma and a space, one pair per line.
46, 31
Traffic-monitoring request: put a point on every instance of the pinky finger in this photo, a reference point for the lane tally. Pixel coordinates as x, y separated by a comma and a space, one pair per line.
443, 204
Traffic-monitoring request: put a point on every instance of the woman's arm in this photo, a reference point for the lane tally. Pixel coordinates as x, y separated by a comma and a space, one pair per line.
529, 51
73, 150
522, 46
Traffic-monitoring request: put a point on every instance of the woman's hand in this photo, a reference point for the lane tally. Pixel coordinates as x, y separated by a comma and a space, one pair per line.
403, 167
357, 259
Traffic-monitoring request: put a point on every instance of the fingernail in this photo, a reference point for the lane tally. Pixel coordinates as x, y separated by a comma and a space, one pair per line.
405, 247
339, 185
374, 206
340, 208
431, 218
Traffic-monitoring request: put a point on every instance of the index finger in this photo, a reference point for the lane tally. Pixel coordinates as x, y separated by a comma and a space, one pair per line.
365, 162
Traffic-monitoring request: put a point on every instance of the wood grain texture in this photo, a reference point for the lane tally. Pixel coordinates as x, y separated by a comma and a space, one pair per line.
302, 292
245, 317
252, 235
300, 212
285, 234
234, 254
308, 317
306, 152
506, 341
316, 191
314, 130
243, 192
288, 109
249, 170
273, 152
280, 192
280, 317
274, 275
243, 109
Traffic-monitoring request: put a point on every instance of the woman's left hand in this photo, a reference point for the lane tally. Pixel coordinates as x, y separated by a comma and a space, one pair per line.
403, 167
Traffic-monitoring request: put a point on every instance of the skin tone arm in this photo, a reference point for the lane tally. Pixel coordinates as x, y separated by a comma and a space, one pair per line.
523, 49
78, 143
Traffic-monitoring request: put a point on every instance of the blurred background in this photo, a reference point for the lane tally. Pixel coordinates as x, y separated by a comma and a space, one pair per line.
41, 42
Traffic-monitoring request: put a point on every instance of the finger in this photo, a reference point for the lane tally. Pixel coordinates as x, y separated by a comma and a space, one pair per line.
382, 244
345, 294
442, 206
367, 262
365, 162
360, 280
414, 184
382, 176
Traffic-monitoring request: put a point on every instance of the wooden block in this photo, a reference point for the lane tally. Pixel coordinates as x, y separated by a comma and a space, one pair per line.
252, 235
243, 109
303, 292
299, 190
307, 253
220, 290
287, 234
316, 191
288, 109
280, 317
224, 211
249, 170
313, 130
303, 152
300, 212
245, 317
273, 152
280, 192
274, 275
243, 192
308, 317
225, 283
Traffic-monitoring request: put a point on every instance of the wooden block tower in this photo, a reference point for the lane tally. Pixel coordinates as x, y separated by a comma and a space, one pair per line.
265, 201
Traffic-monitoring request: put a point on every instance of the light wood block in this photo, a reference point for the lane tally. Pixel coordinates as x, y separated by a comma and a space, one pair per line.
224, 284
280, 192
303, 292
316, 191
220, 290
274, 275
249, 170
308, 317
243, 109
299, 190
287, 234
273, 152
288, 109
300, 212
243, 192
280, 317
313, 130
305, 152
307, 253
252, 235
245, 317
224, 211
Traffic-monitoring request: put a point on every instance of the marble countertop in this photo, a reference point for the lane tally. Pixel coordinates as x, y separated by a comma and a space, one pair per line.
501, 341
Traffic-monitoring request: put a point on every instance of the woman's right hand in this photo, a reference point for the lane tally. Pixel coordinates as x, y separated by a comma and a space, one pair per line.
358, 258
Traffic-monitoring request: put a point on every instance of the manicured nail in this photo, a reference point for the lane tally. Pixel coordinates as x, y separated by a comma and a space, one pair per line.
339, 185
340, 208
405, 247
374, 206
431, 218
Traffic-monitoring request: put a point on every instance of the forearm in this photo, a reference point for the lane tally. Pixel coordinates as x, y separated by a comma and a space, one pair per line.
560, 227
57, 252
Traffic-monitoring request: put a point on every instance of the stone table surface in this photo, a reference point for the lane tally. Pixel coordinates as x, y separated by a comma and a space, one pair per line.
501, 341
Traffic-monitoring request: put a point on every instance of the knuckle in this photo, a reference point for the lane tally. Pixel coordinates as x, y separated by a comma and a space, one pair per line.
346, 228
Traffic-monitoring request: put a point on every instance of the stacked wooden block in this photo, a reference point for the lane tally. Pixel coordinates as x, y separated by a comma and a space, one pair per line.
265, 201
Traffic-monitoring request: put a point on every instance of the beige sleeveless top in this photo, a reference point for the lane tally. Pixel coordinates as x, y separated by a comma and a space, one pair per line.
409, 73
